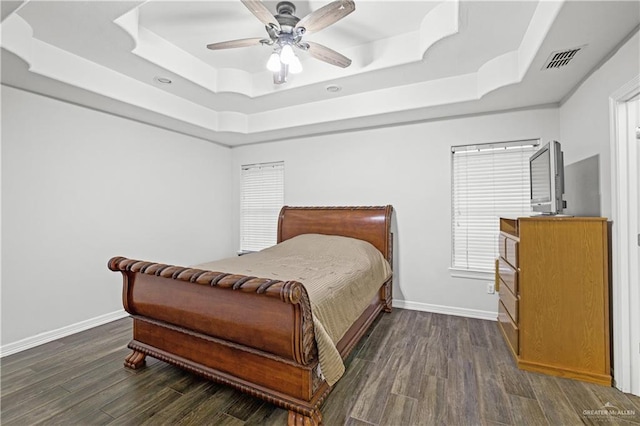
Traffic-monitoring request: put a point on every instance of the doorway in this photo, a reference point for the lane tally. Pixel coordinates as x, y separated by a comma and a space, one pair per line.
625, 125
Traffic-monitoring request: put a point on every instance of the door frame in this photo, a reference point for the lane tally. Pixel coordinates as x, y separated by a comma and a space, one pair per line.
624, 206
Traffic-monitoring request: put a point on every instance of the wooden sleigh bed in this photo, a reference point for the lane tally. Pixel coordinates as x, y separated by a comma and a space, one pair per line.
254, 334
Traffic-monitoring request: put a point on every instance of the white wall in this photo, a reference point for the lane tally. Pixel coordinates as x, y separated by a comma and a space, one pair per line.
80, 186
584, 117
408, 167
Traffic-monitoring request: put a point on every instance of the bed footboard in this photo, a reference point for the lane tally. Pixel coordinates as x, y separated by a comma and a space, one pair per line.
198, 320
216, 303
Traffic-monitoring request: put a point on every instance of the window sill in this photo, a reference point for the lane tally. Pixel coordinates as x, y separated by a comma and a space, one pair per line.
472, 274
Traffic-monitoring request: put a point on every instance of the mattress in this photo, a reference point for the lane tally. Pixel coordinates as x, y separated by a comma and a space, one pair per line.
341, 276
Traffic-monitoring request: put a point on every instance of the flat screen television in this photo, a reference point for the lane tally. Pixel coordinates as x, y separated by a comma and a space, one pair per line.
546, 171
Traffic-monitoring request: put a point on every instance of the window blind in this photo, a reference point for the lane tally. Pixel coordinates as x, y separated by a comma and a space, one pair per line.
488, 181
261, 198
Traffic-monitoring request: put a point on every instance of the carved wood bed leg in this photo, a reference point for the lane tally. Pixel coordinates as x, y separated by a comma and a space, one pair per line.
387, 299
135, 360
299, 419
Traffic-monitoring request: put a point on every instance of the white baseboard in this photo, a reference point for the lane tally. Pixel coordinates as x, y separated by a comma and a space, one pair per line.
448, 310
49, 336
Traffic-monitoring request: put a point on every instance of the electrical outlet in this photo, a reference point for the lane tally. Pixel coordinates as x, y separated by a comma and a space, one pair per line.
491, 288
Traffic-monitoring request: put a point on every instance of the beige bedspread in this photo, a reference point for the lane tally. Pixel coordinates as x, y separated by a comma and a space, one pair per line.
341, 276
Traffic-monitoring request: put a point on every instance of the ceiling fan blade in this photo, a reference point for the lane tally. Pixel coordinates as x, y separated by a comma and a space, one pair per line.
261, 12
327, 55
231, 44
326, 15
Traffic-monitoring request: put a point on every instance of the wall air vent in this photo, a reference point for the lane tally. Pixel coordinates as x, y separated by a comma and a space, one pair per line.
561, 58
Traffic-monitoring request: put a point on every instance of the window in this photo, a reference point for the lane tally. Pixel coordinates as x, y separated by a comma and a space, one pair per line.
261, 198
488, 181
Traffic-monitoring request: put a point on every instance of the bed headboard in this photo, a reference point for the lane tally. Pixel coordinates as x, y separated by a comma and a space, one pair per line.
372, 224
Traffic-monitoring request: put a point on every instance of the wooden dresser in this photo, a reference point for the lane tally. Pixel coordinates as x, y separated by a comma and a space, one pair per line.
553, 280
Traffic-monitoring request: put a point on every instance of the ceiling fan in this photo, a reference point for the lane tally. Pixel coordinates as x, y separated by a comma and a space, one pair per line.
286, 31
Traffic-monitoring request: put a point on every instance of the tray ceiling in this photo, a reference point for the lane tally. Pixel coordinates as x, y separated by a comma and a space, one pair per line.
412, 60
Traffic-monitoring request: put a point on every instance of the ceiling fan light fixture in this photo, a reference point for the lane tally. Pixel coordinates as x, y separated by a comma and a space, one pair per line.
273, 64
287, 55
295, 67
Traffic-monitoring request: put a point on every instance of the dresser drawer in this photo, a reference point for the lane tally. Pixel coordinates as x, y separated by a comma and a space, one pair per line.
511, 252
508, 276
509, 329
502, 245
510, 303
508, 249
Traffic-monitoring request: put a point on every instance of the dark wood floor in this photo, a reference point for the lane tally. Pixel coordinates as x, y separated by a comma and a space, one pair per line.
413, 368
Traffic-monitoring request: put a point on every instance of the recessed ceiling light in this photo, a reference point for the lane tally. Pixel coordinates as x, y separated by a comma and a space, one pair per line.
332, 88
163, 80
